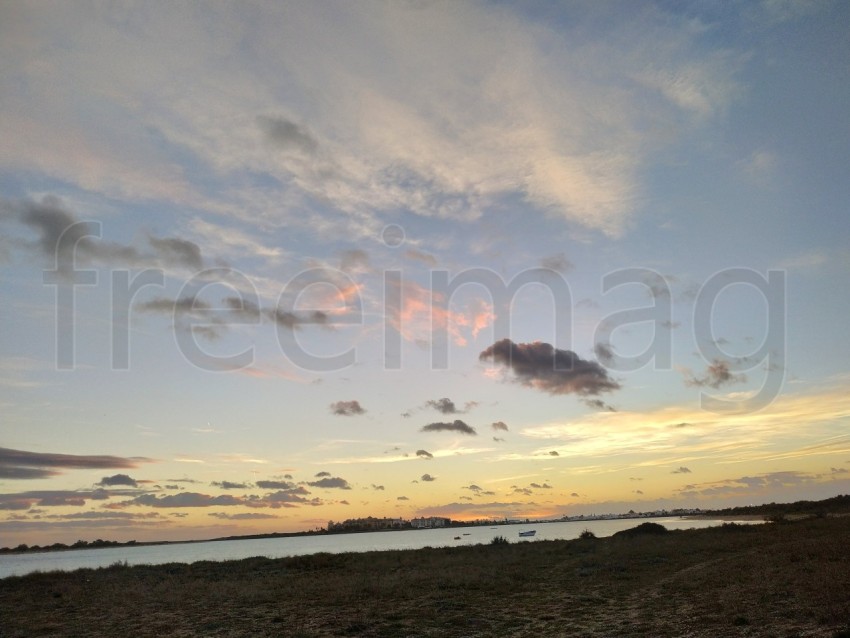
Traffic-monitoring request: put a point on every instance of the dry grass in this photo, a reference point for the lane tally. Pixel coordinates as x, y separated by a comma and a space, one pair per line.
781, 580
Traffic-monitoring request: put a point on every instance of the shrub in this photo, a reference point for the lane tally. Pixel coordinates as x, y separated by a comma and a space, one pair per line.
587, 535
499, 540
643, 529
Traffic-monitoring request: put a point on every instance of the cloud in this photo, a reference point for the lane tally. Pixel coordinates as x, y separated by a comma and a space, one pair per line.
402, 498
275, 485
347, 408
64, 240
456, 426
716, 375
322, 474
478, 490
378, 488
229, 485
425, 313
444, 405
681, 470
598, 404
427, 478
558, 263
180, 252
330, 483
554, 453
286, 135
117, 479
292, 320
499, 425
425, 454
538, 486
539, 365
604, 352
18, 464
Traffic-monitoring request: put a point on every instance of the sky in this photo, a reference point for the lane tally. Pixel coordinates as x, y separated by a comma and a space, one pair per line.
271, 264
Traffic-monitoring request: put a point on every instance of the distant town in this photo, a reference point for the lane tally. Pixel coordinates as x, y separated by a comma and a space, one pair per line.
372, 524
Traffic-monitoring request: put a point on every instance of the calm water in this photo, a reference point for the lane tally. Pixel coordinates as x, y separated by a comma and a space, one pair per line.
335, 543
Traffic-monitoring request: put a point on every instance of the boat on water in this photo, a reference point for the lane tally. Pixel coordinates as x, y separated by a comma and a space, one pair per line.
529, 533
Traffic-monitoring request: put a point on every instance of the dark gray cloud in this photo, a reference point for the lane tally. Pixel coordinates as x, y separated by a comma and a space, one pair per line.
178, 251
165, 305
292, 320
333, 482
541, 366
321, 474
498, 439
242, 308
347, 408
598, 404
63, 239
478, 490
538, 486
447, 406
118, 479
425, 454
681, 470
554, 453
7, 472
378, 488
456, 426
428, 478
287, 135
54, 498
604, 352
18, 464
444, 405
229, 485
558, 262
275, 485
575, 495
499, 425
402, 498
716, 375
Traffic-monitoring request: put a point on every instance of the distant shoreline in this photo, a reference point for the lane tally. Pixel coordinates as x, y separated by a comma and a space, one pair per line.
835, 505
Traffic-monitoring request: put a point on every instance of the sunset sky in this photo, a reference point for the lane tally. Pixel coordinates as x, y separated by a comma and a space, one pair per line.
270, 264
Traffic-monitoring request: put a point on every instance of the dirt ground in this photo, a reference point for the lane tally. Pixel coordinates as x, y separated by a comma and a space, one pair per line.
778, 579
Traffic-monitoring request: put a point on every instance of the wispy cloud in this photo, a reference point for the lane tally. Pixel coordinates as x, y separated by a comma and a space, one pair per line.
18, 464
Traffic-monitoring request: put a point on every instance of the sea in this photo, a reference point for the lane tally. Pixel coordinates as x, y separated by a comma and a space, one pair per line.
69, 560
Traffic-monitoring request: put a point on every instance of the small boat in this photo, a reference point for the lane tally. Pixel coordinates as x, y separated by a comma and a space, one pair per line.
457, 538
466, 533
529, 533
